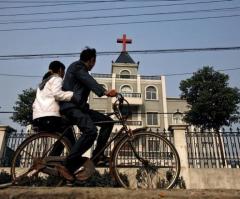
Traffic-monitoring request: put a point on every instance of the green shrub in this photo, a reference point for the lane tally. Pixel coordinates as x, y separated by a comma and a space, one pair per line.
4, 177
98, 180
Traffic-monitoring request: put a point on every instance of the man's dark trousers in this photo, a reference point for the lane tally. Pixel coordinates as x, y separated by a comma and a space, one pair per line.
85, 122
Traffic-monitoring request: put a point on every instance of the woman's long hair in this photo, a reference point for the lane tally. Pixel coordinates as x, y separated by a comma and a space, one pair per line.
54, 68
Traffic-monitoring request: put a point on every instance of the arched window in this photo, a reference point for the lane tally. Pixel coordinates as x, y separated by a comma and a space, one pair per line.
125, 74
151, 93
126, 89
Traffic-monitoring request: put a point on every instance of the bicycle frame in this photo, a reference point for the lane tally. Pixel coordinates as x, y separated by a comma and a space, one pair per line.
123, 131
123, 122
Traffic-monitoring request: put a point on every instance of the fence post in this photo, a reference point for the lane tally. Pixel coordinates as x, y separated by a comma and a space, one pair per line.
180, 144
4, 130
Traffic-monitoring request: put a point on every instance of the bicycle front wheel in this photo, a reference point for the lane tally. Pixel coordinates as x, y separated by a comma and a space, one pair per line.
146, 160
29, 160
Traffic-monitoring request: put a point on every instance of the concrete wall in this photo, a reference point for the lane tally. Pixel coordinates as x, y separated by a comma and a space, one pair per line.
213, 178
205, 178
202, 178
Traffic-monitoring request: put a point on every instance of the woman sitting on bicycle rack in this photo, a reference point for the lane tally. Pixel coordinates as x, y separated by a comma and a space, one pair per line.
78, 80
46, 115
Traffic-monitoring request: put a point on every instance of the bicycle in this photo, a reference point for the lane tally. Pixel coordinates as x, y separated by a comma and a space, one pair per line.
139, 159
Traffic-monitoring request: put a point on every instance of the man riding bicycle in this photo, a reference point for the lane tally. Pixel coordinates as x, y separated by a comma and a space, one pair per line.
78, 80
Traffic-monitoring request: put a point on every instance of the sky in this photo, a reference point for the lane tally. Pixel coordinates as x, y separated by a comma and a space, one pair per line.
54, 27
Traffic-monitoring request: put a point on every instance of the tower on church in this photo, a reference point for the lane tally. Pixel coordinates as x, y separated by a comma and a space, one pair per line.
146, 94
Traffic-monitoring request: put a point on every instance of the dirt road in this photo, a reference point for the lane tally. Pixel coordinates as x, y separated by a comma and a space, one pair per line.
111, 193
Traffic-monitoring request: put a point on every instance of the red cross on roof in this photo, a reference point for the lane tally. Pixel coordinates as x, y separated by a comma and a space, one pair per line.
124, 41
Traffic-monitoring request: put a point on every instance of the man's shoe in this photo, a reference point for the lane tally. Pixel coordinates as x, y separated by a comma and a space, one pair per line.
102, 161
64, 172
85, 171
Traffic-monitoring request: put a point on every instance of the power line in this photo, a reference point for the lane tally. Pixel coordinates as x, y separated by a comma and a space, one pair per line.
125, 15
133, 113
114, 8
120, 23
36, 2
167, 75
59, 4
77, 1
80, 2
105, 53
190, 73
17, 75
8, 112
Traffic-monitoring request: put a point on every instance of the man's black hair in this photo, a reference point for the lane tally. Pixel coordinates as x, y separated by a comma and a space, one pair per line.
87, 54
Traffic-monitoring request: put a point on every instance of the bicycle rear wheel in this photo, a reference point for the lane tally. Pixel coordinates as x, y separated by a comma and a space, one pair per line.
147, 160
29, 160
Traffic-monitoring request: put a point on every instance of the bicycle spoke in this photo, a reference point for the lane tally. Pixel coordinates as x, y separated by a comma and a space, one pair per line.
28, 164
139, 165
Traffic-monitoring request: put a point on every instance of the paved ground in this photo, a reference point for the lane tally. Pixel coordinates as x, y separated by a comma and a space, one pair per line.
111, 193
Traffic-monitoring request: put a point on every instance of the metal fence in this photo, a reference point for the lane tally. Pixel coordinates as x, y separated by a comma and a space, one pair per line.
205, 149
213, 149
16, 138
166, 134
13, 141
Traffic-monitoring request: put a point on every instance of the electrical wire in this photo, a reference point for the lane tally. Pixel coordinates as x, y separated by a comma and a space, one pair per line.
167, 75
114, 8
81, 3
98, 1
120, 23
125, 15
105, 53
59, 4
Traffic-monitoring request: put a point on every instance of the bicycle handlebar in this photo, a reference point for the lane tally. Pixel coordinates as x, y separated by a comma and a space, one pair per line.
121, 107
120, 97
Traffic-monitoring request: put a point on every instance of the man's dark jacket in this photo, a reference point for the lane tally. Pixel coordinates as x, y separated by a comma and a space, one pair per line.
78, 80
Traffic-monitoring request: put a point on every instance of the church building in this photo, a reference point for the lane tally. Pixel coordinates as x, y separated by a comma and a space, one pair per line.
146, 95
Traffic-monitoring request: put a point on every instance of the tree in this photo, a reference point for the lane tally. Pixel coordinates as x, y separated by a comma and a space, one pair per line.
212, 102
23, 107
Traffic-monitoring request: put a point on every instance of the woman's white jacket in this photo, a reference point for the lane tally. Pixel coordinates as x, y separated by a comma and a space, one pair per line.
46, 101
